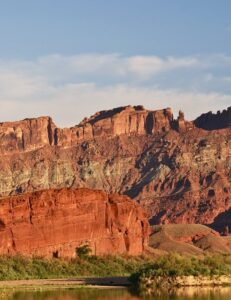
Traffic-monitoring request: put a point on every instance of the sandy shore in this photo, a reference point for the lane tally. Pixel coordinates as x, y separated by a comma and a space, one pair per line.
102, 282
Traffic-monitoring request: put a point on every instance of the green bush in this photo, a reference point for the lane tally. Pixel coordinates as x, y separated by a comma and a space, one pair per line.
173, 265
83, 251
19, 267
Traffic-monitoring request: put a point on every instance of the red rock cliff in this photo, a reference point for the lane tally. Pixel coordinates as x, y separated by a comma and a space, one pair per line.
123, 120
26, 135
179, 171
56, 222
32, 134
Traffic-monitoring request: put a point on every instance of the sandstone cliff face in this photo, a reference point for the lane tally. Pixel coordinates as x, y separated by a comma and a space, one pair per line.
123, 120
176, 169
32, 134
56, 222
26, 135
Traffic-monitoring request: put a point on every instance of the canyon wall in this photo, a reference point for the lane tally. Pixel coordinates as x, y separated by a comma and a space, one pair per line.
179, 170
31, 134
26, 135
54, 223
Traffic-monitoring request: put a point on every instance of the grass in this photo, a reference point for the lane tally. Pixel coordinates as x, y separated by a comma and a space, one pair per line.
168, 272
173, 265
19, 267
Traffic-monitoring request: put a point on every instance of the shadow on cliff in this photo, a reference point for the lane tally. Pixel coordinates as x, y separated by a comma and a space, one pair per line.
222, 222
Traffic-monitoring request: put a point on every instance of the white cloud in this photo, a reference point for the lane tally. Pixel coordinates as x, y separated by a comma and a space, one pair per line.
71, 103
114, 65
19, 85
227, 79
149, 65
71, 87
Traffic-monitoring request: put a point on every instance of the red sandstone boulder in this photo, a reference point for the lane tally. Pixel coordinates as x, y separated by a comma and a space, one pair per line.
56, 222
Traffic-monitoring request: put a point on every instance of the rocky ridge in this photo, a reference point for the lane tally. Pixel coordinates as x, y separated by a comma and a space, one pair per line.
210, 121
31, 134
179, 170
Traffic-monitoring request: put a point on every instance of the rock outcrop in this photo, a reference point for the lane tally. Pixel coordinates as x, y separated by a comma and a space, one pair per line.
210, 121
26, 135
179, 170
123, 120
31, 134
56, 222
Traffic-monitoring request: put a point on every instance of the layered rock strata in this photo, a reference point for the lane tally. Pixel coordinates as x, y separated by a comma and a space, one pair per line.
57, 222
179, 170
31, 134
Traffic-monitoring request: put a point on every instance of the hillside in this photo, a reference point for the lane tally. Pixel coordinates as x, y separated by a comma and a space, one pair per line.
188, 239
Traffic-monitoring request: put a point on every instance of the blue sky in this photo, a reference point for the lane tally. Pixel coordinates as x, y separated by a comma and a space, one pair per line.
70, 58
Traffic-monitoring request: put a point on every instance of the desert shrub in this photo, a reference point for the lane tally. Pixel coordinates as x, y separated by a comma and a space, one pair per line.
20, 267
83, 251
173, 265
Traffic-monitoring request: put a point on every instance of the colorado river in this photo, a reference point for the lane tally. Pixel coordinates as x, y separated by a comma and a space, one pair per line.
118, 294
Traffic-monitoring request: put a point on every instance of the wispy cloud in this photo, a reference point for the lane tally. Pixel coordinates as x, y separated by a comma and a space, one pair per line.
71, 87
113, 65
151, 65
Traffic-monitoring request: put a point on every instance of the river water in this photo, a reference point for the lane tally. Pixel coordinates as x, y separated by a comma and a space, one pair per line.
118, 294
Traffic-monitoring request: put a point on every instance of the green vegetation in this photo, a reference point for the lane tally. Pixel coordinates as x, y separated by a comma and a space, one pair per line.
83, 251
18, 267
177, 265
165, 269
171, 265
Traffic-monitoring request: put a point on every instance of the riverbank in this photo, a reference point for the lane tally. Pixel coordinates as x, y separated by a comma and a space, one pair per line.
151, 284
89, 282
146, 273
174, 270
